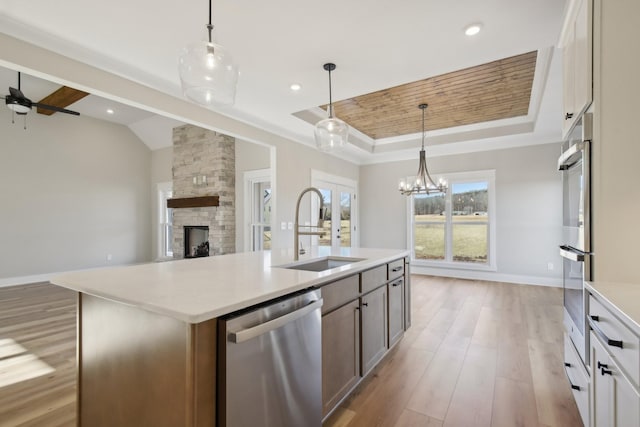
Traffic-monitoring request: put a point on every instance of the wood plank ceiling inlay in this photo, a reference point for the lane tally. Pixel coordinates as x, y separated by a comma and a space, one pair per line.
497, 90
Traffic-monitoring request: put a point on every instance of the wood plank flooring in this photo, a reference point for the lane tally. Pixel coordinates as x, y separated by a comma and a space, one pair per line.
477, 354
37, 356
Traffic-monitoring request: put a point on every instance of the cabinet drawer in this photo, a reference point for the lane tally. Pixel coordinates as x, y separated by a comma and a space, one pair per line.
613, 333
578, 379
395, 269
338, 293
374, 278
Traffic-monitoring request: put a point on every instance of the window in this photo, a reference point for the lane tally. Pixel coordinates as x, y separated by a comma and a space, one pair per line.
258, 201
165, 221
455, 229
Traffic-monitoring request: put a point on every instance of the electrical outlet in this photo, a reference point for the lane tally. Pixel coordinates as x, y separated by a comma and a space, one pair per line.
283, 225
289, 226
549, 266
109, 257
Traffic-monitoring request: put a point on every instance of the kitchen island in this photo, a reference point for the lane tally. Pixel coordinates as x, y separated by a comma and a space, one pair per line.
147, 334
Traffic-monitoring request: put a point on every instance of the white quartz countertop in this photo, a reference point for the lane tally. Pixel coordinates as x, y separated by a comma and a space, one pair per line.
621, 297
199, 289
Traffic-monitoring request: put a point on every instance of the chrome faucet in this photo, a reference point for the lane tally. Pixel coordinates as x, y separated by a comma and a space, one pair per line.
296, 229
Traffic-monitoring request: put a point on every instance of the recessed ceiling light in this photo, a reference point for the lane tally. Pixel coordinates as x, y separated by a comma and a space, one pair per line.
473, 29
295, 87
110, 111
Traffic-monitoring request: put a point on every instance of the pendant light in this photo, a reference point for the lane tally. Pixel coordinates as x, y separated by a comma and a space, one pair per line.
207, 72
331, 133
422, 183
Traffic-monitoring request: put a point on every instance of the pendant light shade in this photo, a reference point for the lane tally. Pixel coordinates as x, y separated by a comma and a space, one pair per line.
421, 183
331, 133
207, 72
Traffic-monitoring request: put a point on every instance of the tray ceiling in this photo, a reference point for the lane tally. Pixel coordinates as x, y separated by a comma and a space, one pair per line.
496, 90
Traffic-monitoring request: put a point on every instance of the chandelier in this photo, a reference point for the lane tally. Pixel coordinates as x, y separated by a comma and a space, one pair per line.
421, 183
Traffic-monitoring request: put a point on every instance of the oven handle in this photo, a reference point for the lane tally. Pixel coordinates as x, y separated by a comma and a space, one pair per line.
570, 253
571, 156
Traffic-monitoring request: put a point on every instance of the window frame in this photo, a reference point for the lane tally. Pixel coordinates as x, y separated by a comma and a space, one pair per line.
165, 220
448, 262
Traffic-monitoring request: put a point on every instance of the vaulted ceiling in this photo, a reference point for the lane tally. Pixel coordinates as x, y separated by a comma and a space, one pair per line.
497, 88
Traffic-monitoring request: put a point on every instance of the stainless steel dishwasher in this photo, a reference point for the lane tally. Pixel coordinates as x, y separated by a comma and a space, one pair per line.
270, 364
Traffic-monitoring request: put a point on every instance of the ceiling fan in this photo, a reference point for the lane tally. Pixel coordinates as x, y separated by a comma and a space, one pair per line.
17, 102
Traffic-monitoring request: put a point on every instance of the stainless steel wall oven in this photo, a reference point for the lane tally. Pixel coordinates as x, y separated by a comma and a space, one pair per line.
575, 250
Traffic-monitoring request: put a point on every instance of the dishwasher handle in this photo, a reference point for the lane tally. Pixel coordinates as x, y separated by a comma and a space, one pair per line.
263, 328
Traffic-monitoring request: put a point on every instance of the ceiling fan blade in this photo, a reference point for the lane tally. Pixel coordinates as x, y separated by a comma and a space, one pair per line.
54, 108
16, 93
61, 98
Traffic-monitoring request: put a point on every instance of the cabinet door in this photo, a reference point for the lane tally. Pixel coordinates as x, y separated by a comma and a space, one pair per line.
577, 63
583, 81
340, 354
625, 402
396, 312
616, 402
374, 327
601, 384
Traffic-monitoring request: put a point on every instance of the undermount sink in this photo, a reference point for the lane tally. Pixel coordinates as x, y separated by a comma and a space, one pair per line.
322, 264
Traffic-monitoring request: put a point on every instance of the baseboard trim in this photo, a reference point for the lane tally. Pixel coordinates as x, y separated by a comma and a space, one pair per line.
488, 275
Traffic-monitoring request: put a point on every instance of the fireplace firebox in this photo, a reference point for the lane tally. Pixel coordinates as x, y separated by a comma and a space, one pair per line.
196, 241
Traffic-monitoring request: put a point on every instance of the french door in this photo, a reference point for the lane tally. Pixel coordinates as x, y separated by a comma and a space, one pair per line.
339, 207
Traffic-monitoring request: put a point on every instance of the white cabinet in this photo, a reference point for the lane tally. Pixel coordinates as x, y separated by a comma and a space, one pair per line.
616, 401
578, 378
615, 365
577, 46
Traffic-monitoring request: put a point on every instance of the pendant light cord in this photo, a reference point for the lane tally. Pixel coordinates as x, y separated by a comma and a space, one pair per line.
210, 26
330, 102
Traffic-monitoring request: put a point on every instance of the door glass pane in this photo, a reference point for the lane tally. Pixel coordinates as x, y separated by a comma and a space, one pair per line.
470, 219
326, 209
266, 215
429, 225
261, 216
345, 219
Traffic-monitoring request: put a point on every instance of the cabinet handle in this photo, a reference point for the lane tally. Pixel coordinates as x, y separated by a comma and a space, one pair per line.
396, 269
604, 372
567, 364
366, 304
396, 283
601, 334
568, 116
573, 386
602, 365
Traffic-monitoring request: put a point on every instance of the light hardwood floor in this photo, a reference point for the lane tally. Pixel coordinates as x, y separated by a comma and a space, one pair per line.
477, 354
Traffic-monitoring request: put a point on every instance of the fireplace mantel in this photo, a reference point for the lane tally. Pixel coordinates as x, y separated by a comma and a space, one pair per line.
193, 202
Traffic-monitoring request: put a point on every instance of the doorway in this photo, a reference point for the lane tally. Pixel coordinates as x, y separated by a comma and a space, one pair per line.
340, 210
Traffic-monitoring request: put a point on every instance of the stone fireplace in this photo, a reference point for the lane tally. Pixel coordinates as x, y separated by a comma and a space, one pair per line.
203, 166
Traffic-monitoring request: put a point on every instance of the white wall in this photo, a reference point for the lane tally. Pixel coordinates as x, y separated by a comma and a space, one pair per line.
73, 190
528, 207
